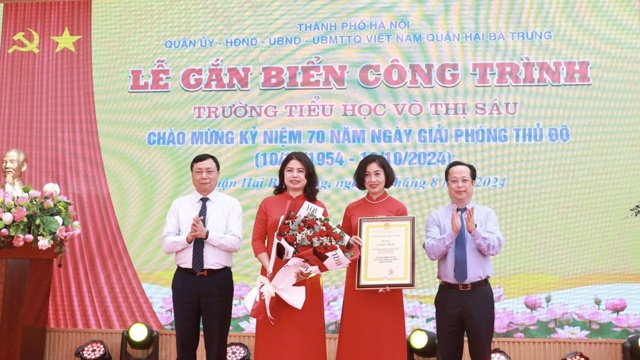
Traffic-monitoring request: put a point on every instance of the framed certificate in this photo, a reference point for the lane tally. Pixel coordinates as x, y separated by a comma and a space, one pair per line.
387, 256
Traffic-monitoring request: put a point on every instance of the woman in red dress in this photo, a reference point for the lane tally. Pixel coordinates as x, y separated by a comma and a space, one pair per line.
294, 334
372, 322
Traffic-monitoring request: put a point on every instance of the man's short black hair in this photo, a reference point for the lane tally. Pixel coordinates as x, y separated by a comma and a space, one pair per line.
460, 163
204, 157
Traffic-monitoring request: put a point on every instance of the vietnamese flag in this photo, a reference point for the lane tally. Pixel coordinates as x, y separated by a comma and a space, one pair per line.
47, 109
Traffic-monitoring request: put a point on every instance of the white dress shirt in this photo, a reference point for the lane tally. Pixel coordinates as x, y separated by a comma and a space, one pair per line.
224, 222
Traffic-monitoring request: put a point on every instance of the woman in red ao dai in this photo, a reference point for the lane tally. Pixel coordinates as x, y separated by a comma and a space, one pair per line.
294, 334
372, 323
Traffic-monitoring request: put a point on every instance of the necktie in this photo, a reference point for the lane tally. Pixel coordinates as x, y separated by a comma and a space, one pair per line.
460, 268
198, 243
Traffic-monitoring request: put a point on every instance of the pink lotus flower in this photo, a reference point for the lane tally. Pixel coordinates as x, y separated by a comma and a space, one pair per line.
22, 199
554, 314
19, 213
503, 321
615, 305
523, 320
167, 303
4, 232
592, 315
47, 204
7, 197
67, 232
532, 302
241, 290
34, 194
166, 319
18, 240
62, 232
626, 322
28, 238
239, 310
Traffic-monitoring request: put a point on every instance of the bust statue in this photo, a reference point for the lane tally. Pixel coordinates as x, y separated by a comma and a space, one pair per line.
14, 164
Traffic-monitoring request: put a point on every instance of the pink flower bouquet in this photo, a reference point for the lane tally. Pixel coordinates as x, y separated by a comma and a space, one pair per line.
41, 219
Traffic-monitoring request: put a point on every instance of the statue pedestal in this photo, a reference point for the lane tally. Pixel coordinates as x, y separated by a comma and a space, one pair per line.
25, 286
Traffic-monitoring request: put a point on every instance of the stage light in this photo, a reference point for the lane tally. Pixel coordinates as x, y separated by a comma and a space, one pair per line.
497, 354
422, 343
238, 351
142, 340
93, 350
576, 355
631, 348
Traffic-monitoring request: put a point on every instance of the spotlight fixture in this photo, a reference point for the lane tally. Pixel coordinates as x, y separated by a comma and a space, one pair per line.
142, 340
576, 355
631, 348
497, 354
422, 343
93, 350
238, 351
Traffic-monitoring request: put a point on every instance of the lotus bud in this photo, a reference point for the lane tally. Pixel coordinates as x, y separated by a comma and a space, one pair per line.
52, 188
7, 218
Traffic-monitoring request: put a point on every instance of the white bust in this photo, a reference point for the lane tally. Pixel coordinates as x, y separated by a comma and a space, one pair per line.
14, 164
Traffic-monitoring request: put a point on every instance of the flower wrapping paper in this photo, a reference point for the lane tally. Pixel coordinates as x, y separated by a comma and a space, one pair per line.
310, 244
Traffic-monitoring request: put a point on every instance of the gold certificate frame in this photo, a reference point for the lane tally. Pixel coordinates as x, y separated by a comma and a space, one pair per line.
387, 256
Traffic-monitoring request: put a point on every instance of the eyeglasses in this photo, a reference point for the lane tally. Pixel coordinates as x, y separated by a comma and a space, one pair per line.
200, 173
464, 182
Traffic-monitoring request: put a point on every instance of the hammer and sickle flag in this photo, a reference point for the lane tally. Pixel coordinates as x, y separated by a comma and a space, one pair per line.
28, 45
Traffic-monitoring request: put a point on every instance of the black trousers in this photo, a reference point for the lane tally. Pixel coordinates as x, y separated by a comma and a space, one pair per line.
459, 311
202, 297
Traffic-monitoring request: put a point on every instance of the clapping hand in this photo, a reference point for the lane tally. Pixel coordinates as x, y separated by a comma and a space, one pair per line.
469, 220
197, 230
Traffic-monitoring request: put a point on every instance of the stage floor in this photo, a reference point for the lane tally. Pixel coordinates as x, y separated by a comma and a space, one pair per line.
62, 343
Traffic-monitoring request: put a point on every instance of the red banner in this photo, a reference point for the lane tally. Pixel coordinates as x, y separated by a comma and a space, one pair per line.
47, 109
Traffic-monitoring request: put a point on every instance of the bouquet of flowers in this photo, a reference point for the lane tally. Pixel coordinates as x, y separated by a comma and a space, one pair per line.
310, 244
317, 241
45, 216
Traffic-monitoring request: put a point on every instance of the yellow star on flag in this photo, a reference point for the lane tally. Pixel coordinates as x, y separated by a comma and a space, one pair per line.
66, 40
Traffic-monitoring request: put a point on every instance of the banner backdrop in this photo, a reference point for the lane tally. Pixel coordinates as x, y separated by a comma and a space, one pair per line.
541, 97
